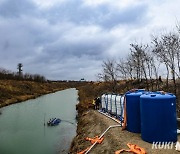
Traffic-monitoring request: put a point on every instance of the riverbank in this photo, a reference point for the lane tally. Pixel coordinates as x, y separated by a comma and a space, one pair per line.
91, 123
14, 91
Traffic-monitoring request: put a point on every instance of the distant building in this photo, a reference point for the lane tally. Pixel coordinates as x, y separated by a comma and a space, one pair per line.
82, 80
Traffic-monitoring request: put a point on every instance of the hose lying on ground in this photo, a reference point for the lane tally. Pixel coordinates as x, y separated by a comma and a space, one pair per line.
112, 126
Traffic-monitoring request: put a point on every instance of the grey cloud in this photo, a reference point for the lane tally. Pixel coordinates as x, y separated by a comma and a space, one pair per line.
68, 40
78, 49
131, 16
16, 8
102, 15
66, 50
75, 68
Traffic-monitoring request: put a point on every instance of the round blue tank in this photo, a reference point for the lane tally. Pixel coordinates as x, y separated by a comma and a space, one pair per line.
158, 118
133, 110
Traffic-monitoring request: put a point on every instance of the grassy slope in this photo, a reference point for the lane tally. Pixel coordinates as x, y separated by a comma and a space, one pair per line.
12, 91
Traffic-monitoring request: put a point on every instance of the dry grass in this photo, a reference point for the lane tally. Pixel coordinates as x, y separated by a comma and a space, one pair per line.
13, 91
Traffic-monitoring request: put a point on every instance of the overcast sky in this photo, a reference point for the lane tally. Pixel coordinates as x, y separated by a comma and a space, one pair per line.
69, 39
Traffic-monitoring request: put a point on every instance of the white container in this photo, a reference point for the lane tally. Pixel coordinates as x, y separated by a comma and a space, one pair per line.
114, 104
109, 102
103, 102
120, 106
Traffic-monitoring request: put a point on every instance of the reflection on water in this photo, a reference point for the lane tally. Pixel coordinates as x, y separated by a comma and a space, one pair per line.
22, 127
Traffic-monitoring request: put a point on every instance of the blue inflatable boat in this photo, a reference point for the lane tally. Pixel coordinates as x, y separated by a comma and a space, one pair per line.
53, 122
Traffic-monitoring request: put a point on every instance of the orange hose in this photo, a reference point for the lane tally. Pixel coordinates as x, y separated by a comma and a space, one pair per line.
132, 148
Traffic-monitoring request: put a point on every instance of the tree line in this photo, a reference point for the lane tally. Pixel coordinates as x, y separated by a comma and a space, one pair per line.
9, 75
144, 61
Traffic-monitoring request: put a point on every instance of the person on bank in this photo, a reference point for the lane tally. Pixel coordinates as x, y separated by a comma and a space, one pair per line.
94, 103
97, 102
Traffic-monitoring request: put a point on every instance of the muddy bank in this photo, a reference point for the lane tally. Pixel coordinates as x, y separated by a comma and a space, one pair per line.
92, 123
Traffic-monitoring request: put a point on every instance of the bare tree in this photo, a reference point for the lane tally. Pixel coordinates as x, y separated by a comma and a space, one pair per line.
109, 72
151, 67
122, 69
166, 48
178, 50
138, 53
125, 68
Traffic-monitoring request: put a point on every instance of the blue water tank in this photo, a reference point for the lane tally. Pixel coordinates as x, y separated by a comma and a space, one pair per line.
158, 118
133, 110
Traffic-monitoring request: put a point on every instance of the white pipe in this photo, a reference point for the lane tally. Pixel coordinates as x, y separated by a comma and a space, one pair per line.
119, 122
178, 131
112, 126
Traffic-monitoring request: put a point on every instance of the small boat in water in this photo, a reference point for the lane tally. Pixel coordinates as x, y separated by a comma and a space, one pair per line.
53, 122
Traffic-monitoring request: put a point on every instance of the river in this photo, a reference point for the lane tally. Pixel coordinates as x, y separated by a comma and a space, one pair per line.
22, 129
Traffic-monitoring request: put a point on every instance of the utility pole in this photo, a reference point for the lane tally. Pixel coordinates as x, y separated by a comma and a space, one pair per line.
19, 67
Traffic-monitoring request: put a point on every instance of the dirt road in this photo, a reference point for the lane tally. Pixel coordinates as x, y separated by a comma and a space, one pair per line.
92, 123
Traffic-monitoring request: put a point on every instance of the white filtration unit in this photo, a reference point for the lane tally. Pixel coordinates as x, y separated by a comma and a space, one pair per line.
113, 103
103, 101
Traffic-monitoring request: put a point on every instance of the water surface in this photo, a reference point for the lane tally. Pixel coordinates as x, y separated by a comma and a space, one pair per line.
22, 129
